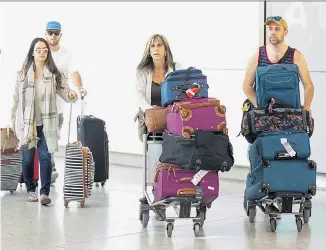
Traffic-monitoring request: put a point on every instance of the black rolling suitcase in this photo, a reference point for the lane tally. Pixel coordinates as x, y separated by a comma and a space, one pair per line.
92, 133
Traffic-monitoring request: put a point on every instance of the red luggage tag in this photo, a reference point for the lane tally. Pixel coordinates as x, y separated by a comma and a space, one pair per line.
191, 92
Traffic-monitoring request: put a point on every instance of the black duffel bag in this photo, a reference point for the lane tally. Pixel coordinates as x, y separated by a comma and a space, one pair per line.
178, 150
204, 151
214, 151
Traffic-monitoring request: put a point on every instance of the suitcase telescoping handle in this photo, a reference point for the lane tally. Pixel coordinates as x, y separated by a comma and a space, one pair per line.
82, 105
82, 97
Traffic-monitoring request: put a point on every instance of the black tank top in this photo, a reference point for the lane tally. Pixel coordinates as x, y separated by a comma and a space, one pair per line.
156, 94
263, 59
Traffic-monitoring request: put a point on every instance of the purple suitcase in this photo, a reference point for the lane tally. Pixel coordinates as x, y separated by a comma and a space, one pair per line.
185, 117
173, 181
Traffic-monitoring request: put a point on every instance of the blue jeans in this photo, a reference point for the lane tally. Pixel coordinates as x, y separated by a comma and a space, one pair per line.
45, 165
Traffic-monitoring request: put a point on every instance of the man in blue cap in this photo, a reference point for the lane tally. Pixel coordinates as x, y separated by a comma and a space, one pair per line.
63, 61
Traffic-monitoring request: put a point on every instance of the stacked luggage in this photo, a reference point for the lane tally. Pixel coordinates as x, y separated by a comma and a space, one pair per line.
281, 173
195, 143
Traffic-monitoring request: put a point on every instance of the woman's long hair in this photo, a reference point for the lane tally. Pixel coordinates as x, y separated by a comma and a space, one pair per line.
49, 62
147, 61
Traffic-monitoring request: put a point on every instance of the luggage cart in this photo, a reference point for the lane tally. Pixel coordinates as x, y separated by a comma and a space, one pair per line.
182, 205
285, 202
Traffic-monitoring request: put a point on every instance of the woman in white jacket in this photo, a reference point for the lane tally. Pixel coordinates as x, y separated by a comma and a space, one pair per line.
156, 63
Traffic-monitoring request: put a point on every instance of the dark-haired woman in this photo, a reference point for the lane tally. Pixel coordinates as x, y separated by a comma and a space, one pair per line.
157, 62
34, 114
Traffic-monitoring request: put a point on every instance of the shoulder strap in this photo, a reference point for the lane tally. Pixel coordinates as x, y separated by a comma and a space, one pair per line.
287, 53
259, 54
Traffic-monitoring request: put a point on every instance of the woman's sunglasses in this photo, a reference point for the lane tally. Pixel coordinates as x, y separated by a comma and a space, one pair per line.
56, 32
272, 18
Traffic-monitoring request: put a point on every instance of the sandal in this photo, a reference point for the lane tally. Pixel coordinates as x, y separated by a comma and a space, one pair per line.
45, 200
32, 197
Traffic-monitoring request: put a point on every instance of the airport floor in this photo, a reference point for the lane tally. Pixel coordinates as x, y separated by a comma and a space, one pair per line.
110, 220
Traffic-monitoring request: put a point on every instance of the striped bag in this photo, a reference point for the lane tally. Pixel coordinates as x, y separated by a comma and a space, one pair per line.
79, 173
11, 160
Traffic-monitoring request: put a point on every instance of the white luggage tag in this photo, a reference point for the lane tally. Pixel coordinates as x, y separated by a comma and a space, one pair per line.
288, 147
198, 176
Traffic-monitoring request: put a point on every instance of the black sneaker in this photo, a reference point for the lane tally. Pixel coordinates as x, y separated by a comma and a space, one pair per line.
143, 200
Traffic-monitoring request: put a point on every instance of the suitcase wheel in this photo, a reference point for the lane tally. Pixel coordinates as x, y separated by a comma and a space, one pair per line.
66, 203
102, 184
11, 191
82, 203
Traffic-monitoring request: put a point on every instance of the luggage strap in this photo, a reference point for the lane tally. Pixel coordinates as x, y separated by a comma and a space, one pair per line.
160, 167
288, 147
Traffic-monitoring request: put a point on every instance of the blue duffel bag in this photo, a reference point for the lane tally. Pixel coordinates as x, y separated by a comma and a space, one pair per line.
278, 81
175, 85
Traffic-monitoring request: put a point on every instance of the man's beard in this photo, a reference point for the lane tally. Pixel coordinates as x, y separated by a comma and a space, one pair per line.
54, 43
274, 40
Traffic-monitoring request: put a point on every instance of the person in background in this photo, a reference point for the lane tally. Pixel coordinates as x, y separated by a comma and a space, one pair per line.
34, 114
64, 63
156, 63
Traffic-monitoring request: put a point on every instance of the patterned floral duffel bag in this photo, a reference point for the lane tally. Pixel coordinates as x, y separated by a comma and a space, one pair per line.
273, 117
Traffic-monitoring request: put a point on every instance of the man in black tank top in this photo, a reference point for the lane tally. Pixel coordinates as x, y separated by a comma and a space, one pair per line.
276, 51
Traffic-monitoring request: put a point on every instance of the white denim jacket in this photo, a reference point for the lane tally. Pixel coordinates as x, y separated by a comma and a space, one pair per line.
144, 87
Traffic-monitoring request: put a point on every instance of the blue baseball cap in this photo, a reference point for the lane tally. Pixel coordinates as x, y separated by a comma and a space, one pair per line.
53, 25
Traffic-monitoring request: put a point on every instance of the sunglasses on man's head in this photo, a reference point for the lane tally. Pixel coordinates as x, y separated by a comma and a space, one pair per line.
55, 32
276, 18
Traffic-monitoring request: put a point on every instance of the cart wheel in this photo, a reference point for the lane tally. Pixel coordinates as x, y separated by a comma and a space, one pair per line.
169, 229
196, 229
252, 214
96, 184
201, 213
272, 222
306, 215
145, 218
66, 203
299, 223
140, 213
82, 203
102, 183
